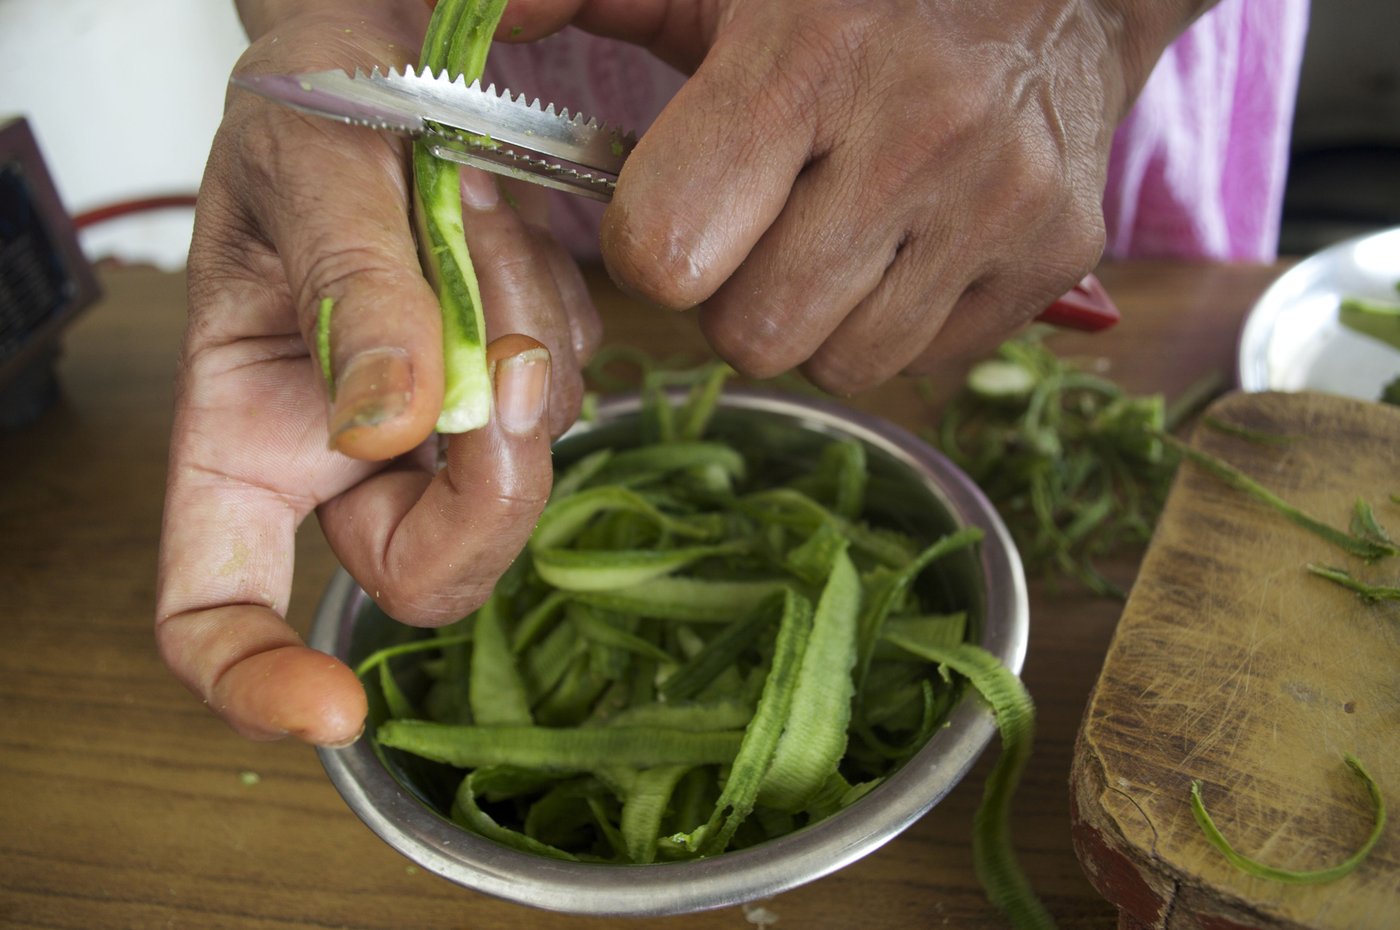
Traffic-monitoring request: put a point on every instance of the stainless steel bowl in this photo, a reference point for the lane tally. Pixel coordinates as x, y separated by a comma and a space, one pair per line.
910, 484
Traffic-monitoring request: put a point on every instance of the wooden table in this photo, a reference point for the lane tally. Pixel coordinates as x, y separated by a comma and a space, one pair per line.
124, 803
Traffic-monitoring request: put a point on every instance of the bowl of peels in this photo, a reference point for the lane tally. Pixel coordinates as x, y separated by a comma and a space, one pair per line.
730, 661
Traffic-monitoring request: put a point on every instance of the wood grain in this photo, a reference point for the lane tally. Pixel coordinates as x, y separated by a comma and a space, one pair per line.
121, 798
1236, 666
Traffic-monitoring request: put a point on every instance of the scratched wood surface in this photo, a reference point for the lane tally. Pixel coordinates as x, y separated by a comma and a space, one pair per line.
1234, 665
123, 802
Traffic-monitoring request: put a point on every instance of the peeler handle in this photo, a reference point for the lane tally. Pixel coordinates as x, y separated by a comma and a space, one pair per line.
1086, 307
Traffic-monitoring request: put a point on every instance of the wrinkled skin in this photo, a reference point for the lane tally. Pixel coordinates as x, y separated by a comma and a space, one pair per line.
862, 188
294, 209
897, 183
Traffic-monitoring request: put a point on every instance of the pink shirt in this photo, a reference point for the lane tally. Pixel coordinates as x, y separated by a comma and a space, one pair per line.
1196, 171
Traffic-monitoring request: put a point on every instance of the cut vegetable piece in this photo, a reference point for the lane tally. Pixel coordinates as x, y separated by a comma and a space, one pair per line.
761, 738
696, 718
653, 463
596, 629
992, 849
399, 705
583, 570
1071, 461
1001, 380
645, 807
418, 645
814, 737
565, 518
572, 749
1365, 547
888, 588
467, 811
691, 600
496, 689
1308, 877
722, 651
1370, 593
1374, 318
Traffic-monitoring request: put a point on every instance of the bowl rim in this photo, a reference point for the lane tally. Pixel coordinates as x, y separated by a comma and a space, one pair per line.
670, 888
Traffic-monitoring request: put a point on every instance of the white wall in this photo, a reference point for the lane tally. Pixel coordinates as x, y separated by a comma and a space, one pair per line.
124, 97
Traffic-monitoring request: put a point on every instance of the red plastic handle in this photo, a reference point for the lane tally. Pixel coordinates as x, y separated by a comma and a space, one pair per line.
1087, 307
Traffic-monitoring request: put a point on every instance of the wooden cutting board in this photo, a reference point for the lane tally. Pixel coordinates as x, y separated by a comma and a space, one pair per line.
1234, 665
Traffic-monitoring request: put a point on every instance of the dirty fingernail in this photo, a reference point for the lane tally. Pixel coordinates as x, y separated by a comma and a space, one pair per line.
374, 387
522, 386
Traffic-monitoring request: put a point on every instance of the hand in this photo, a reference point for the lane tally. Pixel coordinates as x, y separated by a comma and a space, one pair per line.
863, 188
293, 210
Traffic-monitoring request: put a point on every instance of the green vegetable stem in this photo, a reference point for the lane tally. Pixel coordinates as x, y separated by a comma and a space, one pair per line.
458, 38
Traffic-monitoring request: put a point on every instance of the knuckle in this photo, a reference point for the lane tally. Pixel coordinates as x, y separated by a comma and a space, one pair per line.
1086, 239
432, 608
858, 359
510, 259
330, 269
755, 344
1028, 189
653, 254
842, 373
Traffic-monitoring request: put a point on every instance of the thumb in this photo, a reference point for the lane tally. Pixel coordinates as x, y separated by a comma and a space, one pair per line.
336, 208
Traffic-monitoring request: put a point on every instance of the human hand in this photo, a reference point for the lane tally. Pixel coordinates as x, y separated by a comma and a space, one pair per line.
861, 189
293, 210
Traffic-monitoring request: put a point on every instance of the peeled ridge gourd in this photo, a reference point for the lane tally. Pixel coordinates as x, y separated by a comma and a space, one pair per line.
814, 739
458, 38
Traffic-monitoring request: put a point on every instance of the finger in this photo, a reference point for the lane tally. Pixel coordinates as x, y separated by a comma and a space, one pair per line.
356, 259
893, 325
229, 528
714, 170
429, 549
773, 314
585, 325
519, 291
984, 315
254, 672
333, 203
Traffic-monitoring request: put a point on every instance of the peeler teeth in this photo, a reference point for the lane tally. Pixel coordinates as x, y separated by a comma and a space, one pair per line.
504, 161
529, 125
490, 127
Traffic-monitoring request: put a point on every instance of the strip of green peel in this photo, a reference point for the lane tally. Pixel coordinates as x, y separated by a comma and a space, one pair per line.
458, 38
994, 854
323, 342
1251, 866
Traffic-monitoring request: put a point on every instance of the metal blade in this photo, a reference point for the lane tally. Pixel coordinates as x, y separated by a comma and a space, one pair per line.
510, 120
515, 165
334, 95
421, 104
